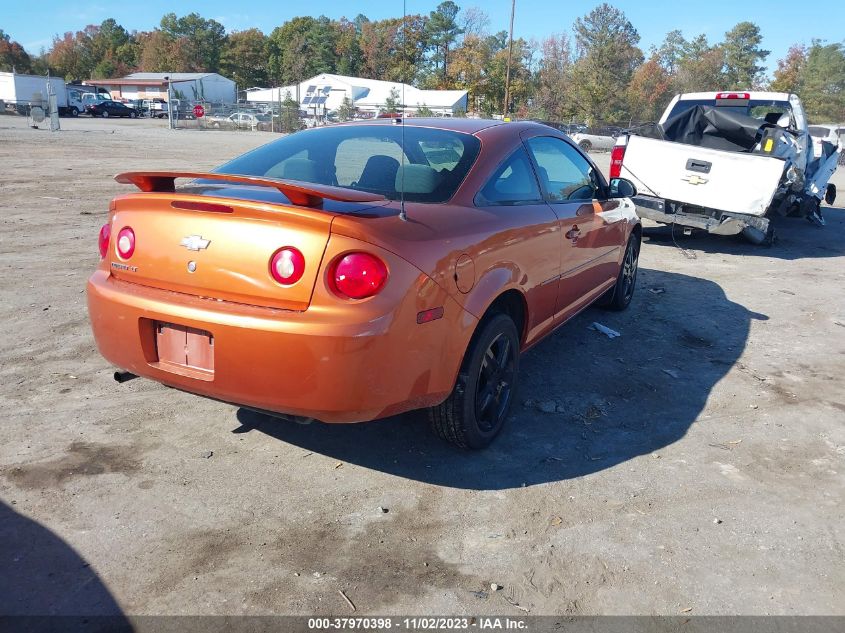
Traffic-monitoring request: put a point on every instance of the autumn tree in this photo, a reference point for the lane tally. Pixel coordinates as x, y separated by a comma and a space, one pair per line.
606, 45
156, 52
649, 91
70, 55
348, 47
113, 51
699, 67
743, 56
13, 56
197, 42
393, 49
244, 59
301, 48
787, 77
553, 78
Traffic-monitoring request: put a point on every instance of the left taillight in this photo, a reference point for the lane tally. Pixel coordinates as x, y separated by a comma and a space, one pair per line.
617, 155
125, 242
103, 242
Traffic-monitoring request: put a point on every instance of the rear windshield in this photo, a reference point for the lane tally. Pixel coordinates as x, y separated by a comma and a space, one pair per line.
767, 111
428, 165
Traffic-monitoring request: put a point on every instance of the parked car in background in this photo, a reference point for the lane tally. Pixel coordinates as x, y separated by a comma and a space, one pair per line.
827, 133
111, 108
241, 121
155, 107
601, 139
138, 106
357, 271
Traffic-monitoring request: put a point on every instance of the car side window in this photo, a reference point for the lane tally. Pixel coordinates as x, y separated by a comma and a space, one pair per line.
513, 183
564, 172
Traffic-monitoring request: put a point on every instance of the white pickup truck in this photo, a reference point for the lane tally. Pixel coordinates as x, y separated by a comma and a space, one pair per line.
724, 161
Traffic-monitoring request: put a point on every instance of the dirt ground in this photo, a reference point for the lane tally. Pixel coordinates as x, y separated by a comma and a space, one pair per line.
693, 465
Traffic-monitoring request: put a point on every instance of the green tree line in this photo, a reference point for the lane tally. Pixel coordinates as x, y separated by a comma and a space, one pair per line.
596, 73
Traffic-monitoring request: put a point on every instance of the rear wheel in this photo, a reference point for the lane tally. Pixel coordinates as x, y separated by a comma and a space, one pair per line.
474, 414
105, 114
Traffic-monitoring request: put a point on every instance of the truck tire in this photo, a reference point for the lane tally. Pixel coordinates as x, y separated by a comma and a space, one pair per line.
74, 111
475, 412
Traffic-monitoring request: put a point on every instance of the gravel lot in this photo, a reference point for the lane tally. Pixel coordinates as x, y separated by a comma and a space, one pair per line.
694, 465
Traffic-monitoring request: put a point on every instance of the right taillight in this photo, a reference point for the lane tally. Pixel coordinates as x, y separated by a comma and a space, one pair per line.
103, 240
617, 154
358, 275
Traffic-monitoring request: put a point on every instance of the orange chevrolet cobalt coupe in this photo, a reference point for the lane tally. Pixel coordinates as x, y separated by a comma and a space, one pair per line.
358, 271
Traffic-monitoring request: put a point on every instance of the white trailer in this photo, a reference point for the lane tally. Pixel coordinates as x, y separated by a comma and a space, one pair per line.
20, 92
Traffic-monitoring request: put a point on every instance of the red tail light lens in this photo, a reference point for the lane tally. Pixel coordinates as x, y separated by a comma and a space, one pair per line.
617, 154
126, 242
103, 242
358, 275
287, 265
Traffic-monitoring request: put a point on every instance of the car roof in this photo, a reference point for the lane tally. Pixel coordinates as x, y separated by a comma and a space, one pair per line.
466, 126
454, 124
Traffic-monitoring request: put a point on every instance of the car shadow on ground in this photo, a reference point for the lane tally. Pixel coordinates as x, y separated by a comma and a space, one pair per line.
47, 585
797, 238
585, 403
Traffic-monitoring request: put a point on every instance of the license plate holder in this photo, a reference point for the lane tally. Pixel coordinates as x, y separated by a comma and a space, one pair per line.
181, 346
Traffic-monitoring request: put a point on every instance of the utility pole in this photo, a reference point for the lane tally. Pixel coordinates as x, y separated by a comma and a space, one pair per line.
506, 105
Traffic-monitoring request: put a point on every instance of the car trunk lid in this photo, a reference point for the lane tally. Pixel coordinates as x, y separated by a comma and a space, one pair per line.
221, 247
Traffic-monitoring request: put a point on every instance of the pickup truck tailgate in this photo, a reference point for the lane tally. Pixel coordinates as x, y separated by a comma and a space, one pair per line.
715, 179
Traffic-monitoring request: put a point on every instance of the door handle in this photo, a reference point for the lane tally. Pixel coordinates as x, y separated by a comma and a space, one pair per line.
573, 233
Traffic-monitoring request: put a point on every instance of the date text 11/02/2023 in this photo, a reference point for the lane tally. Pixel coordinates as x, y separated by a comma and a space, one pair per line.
417, 623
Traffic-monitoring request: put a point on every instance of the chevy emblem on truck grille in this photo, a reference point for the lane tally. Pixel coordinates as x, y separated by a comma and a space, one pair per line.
194, 242
695, 179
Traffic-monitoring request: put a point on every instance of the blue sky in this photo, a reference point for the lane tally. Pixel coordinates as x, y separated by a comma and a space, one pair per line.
782, 23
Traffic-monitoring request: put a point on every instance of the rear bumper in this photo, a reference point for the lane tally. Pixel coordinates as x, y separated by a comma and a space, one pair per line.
332, 365
716, 222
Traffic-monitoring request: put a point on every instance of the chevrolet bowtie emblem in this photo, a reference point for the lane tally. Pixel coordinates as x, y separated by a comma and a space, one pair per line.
194, 242
693, 179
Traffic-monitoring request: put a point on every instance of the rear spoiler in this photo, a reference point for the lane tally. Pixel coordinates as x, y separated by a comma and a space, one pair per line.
304, 194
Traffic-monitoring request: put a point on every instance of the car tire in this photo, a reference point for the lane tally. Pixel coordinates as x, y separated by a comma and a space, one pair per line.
619, 296
476, 410
585, 146
131, 115
105, 114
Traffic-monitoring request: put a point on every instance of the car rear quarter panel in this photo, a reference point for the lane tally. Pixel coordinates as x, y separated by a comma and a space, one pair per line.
501, 243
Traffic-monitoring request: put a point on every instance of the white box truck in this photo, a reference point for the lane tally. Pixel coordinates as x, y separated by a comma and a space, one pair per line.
19, 92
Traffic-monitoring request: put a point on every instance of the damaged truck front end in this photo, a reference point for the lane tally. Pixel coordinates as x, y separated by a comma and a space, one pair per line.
726, 162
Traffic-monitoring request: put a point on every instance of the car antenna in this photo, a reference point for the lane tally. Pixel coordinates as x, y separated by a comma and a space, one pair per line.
401, 119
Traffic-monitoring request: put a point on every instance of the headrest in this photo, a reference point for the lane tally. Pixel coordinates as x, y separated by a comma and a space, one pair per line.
300, 169
417, 179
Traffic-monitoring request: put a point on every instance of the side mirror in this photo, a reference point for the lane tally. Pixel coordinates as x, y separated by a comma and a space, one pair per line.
622, 188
